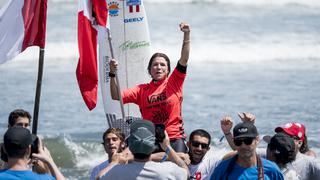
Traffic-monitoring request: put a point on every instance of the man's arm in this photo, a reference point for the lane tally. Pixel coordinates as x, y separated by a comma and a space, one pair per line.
157, 157
226, 124
45, 156
172, 155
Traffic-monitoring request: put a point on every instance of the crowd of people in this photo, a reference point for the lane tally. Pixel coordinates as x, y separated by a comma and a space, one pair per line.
143, 155
138, 157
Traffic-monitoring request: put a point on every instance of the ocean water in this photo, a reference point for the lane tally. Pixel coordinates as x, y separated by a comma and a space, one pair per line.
258, 56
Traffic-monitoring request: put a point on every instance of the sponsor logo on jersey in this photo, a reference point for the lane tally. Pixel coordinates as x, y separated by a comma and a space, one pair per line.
157, 98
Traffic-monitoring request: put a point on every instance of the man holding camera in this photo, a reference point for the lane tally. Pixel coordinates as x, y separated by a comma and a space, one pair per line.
21, 118
18, 143
141, 143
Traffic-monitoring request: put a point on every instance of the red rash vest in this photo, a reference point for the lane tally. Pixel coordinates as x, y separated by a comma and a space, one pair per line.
160, 102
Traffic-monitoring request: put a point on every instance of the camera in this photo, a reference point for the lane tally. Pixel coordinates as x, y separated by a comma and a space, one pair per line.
35, 144
159, 132
4, 156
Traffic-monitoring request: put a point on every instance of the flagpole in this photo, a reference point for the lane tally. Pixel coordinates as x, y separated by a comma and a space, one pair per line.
38, 93
117, 78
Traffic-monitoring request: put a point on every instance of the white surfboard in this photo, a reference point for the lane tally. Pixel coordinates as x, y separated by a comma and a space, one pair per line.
132, 48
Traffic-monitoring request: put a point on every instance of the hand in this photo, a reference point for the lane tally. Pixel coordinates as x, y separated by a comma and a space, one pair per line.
113, 66
184, 27
119, 158
166, 141
247, 117
226, 124
43, 154
185, 157
40, 167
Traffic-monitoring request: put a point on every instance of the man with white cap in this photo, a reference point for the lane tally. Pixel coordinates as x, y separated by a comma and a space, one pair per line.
141, 143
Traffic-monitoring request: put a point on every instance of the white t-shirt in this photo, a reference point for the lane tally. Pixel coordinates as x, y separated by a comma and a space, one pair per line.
95, 171
205, 168
289, 173
307, 167
146, 170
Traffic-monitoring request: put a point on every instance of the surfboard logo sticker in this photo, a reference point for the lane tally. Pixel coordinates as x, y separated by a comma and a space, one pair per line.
134, 5
133, 45
113, 8
133, 20
106, 67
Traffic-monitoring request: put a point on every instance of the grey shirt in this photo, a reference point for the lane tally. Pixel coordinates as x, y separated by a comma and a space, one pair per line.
146, 170
307, 167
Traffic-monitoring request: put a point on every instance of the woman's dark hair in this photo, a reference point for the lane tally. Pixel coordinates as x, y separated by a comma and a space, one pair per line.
159, 55
304, 147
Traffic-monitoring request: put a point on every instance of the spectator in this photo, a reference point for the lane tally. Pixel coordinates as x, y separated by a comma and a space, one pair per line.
281, 150
141, 143
246, 164
203, 158
18, 147
113, 143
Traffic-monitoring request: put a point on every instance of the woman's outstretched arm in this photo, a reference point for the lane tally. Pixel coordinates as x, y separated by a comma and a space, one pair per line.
185, 50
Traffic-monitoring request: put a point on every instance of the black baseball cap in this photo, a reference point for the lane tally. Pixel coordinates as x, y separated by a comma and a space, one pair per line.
245, 129
282, 144
18, 138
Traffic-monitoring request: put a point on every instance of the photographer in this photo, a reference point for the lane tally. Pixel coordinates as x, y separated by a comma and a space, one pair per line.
17, 144
22, 118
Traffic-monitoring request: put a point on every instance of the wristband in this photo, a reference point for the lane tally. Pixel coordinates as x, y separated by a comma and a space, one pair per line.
112, 75
165, 156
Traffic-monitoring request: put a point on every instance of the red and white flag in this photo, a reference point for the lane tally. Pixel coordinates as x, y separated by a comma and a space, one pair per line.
22, 24
91, 14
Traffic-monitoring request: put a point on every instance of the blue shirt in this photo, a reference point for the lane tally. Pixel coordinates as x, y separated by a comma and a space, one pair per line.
271, 171
8, 174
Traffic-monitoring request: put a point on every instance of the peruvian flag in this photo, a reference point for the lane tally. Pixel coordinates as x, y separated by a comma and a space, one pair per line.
91, 15
22, 24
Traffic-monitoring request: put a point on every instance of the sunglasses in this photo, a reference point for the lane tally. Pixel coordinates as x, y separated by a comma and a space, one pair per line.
247, 141
197, 144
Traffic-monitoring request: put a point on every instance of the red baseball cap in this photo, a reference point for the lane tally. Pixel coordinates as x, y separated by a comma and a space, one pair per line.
293, 129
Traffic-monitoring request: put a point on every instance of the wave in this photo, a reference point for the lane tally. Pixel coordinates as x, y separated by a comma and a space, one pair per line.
235, 2
243, 2
70, 152
67, 53
246, 52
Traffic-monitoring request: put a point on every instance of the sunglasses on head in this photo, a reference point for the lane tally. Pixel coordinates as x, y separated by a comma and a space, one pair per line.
247, 141
197, 144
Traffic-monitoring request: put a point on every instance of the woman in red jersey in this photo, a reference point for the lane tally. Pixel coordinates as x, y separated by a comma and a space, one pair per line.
160, 100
